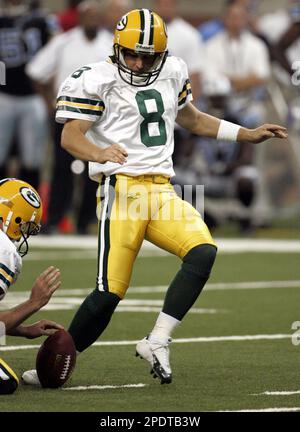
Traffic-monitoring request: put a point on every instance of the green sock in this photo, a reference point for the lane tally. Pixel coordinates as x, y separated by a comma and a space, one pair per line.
92, 318
189, 281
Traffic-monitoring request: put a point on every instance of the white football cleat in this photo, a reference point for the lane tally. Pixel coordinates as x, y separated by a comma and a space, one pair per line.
157, 354
30, 377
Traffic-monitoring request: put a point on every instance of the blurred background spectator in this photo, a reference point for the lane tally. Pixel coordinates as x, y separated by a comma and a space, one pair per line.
289, 38
69, 17
24, 29
210, 28
290, 60
87, 43
183, 41
233, 89
229, 57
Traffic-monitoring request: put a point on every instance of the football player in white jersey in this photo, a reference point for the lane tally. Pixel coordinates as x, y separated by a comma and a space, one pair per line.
20, 215
119, 115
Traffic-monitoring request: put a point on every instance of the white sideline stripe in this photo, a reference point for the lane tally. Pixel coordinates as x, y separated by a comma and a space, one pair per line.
82, 256
104, 387
223, 286
163, 288
120, 309
69, 303
278, 393
240, 338
62, 256
158, 309
56, 307
266, 410
254, 285
224, 245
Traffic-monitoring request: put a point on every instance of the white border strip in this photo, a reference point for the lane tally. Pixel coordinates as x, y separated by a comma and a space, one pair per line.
285, 409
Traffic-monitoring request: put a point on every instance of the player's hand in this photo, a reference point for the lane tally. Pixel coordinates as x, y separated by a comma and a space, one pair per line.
45, 285
262, 133
41, 328
114, 153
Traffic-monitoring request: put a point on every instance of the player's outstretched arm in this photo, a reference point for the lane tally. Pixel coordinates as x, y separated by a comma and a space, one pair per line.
40, 328
74, 141
204, 124
43, 288
262, 133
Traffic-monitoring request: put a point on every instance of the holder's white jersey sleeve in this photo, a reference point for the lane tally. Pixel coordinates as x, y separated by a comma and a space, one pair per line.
10, 264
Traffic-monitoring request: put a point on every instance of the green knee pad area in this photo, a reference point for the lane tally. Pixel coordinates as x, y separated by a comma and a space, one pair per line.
101, 302
198, 261
189, 281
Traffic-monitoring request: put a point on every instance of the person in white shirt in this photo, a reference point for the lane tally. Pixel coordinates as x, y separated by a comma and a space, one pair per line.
242, 58
184, 41
62, 56
237, 69
20, 215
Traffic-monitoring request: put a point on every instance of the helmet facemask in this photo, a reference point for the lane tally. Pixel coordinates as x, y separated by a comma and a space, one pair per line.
27, 229
138, 79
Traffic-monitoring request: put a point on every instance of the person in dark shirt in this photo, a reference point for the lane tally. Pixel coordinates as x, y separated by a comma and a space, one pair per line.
23, 31
291, 35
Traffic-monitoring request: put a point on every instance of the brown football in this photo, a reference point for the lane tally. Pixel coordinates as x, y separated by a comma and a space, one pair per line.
56, 359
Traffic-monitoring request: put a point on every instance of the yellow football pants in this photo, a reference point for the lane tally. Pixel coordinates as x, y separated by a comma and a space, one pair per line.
8, 379
131, 209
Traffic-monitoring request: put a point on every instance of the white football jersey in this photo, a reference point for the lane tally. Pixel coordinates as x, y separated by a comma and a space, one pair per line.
10, 264
140, 119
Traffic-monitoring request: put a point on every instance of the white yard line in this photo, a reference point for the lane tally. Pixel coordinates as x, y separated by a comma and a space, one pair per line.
158, 309
62, 256
66, 299
69, 303
236, 338
278, 393
162, 288
253, 285
223, 286
104, 387
224, 245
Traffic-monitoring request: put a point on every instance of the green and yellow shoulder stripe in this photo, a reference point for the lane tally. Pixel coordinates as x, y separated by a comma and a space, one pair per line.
186, 90
6, 276
80, 105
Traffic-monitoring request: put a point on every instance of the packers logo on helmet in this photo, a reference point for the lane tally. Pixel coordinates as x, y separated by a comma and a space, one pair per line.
122, 23
20, 211
142, 32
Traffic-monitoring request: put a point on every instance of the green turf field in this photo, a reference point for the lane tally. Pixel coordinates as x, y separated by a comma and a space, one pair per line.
212, 371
